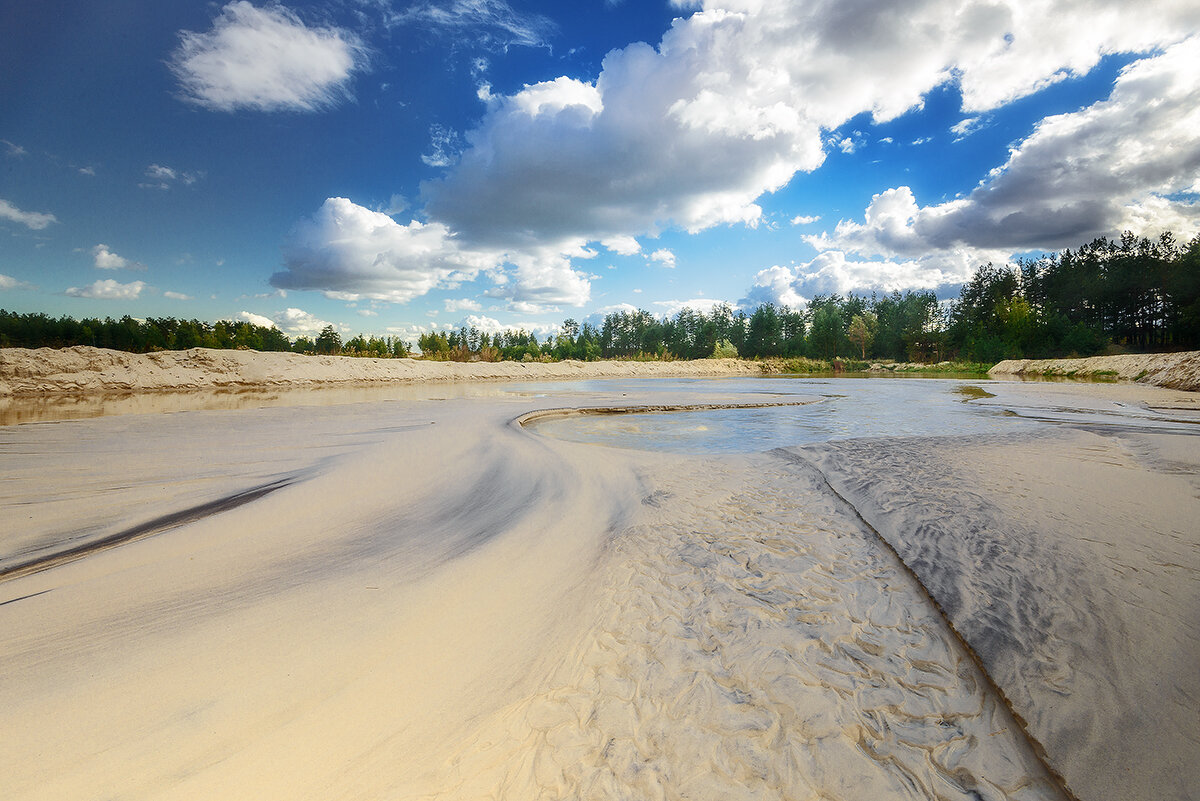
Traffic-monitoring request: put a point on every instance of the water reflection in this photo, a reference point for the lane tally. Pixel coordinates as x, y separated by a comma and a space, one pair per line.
66, 407
848, 408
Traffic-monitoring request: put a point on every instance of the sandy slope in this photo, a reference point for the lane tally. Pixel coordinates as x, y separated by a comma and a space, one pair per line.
1174, 370
84, 369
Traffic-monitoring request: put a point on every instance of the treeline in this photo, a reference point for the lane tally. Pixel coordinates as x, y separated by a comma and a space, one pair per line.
166, 333
1135, 293
896, 326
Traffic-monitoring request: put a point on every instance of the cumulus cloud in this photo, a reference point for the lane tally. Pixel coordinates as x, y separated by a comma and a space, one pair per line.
30, 219
760, 84
176, 295
256, 319
351, 252
1120, 163
8, 282
107, 289
543, 280
740, 96
454, 305
297, 322
265, 59
832, 273
622, 245
805, 219
664, 257
105, 259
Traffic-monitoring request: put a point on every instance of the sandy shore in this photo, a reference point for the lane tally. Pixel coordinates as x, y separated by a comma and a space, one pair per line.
1174, 370
418, 598
87, 370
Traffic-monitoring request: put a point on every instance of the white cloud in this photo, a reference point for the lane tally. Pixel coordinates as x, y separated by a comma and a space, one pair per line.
8, 282
265, 59
543, 280
622, 245
367, 313
454, 305
964, 128
670, 308
30, 219
444, 144
297, 322
1119, 163
731, 104
832, 273
161, 177
760, 84
105, 259
664, 257
350, 252
256, 319
490, 23
805, 219
108, 289
176, 295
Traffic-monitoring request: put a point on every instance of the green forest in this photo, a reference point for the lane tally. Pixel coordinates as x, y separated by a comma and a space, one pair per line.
1130, 294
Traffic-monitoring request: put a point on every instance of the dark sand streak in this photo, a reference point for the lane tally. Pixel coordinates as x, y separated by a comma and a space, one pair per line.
142, 531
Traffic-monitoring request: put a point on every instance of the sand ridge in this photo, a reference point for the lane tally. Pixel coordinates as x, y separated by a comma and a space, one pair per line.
87, 370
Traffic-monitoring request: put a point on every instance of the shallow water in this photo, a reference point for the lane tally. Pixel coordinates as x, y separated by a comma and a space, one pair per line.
846, 408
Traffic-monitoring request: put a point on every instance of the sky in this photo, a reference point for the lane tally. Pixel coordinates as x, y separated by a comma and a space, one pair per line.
392, 167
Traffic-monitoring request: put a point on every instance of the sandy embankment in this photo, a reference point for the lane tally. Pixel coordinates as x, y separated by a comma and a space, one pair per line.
1173, 370
86, 370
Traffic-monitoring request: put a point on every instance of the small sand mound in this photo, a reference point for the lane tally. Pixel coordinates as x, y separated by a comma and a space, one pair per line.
1173, 370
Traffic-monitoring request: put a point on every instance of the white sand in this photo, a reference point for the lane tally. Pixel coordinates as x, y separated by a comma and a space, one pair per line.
1174, 370
87, 370
436, 603
1070, 561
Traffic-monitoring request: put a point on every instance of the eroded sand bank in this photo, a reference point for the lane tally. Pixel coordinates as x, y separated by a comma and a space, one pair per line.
85, 370
1173, 370
434, 603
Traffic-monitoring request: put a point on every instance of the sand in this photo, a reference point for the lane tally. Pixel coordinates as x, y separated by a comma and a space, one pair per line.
426, 600
84, 370
1174, 370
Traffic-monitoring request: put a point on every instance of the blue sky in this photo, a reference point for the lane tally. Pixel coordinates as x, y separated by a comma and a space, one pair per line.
389, 166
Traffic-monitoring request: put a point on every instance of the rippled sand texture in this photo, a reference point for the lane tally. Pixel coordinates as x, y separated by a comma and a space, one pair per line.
752, 640
1072, 567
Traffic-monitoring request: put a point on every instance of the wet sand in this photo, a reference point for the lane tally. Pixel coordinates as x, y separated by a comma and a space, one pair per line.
432, 602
